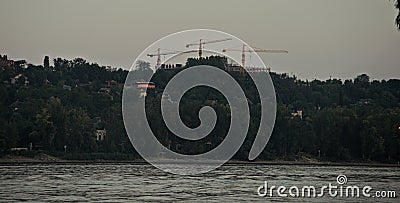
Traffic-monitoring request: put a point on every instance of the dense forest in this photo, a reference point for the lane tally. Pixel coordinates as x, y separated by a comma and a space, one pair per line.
58, 109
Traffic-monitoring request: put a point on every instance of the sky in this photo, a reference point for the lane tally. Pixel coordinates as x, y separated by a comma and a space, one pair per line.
325, 38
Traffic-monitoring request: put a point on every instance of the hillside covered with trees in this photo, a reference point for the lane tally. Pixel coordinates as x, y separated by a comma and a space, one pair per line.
57, 109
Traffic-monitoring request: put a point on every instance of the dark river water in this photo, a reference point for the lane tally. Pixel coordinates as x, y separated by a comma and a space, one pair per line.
144, 183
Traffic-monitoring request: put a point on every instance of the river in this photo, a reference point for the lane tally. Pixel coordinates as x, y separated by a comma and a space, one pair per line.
144, 183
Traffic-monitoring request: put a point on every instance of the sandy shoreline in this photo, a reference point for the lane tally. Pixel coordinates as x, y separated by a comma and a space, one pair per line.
47, 159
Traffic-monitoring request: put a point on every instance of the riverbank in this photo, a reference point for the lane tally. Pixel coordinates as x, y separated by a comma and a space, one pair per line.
43, 158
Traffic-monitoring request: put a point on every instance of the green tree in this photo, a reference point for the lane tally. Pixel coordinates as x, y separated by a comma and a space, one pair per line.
46, 62
398, 15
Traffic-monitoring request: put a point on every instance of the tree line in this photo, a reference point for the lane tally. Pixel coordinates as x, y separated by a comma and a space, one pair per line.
62, 106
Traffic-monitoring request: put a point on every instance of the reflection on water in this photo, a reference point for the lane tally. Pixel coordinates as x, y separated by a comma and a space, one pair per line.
135, 182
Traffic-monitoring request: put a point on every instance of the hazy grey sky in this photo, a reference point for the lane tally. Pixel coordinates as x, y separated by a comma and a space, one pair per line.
338, 38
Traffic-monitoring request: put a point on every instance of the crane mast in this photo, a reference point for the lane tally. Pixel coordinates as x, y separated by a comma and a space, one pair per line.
201, 43
159, 54
253, 49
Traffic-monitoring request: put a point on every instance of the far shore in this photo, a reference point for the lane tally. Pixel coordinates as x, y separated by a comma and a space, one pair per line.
47, 159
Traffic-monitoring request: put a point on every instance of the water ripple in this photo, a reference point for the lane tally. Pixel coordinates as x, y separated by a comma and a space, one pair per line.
144, 183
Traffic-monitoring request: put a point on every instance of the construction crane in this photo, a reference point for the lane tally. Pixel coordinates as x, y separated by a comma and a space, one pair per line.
201, 43
253, 49
159, 54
